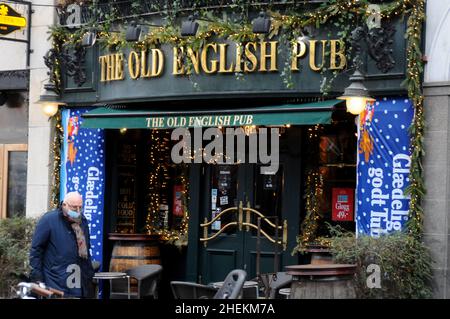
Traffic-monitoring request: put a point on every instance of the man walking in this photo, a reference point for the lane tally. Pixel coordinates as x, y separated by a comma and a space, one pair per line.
59, 255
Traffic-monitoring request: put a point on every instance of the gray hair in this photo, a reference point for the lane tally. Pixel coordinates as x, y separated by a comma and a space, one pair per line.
71, 195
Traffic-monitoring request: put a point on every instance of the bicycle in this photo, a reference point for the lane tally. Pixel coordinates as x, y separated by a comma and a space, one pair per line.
30, 290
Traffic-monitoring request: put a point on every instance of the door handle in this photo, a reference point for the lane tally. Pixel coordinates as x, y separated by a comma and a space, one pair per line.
240, 215
248, 217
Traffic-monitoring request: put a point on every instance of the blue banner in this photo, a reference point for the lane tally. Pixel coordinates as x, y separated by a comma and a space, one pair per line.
384, 161
83, 170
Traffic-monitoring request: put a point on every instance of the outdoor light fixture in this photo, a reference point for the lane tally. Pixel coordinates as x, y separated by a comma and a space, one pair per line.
261, 24
50, 100
356, 94
378, 41
189, 27
133, 32
89, 39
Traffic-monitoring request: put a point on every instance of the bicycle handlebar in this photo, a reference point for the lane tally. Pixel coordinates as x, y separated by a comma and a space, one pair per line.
39, 290
57, 292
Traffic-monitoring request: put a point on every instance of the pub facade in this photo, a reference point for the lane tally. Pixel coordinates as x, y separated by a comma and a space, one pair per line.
208, 140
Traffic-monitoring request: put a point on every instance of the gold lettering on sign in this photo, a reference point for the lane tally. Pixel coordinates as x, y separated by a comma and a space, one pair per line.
119, 67
223, 59
111, 67
312, 55
298, 51
272, 56
204, 59
337, 53
238, 58
193, 55
139, 66
145, 71
215, 58
102, 61
178, 67
157, 62
250, 55
133, 65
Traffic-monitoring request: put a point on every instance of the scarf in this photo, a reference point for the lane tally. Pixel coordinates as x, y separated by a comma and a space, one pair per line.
79, 233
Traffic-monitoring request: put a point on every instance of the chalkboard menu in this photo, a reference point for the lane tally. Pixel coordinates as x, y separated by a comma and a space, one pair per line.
126, 203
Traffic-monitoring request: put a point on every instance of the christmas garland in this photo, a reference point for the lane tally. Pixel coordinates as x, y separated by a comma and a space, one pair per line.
413, 82
313, 195
56, 152
331, 11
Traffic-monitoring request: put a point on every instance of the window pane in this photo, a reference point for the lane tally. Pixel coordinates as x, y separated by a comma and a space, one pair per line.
17, 183
223, 194
267, 194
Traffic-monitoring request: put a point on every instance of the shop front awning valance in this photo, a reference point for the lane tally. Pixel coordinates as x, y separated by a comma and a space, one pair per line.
293, 114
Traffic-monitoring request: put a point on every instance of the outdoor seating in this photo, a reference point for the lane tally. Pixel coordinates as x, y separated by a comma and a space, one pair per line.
274, 282
192, 290
232, 285
147, 277
230, 288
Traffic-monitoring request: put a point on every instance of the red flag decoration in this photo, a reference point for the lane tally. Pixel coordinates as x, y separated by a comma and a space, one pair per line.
342, 199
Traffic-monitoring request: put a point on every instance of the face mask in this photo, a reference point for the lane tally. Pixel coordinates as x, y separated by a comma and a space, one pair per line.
73, 214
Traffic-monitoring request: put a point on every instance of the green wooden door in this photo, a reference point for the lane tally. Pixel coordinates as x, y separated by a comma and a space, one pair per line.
279, 195
224, 187
231, 247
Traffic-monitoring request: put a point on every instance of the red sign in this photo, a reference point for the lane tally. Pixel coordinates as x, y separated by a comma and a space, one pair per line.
178, 200
342, 199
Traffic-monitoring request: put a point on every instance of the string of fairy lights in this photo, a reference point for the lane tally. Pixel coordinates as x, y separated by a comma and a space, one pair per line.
158, 178
58, 140
414, 83
313, 194
414, 10
158, 190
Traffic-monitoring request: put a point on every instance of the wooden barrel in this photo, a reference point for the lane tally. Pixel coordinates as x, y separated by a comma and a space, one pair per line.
131, 250
321, 258
322, 281
320, 254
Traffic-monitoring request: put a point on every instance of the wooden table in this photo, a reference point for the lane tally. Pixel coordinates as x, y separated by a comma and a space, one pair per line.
322, 281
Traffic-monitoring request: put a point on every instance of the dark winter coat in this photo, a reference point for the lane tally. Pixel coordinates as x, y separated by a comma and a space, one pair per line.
54, 252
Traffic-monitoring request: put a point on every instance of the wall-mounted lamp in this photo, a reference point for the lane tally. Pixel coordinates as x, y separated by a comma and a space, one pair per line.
50, 100
134, 30
356, 94
189, 27
261, 25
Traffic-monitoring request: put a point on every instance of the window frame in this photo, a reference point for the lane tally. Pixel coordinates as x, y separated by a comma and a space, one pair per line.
4, 161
